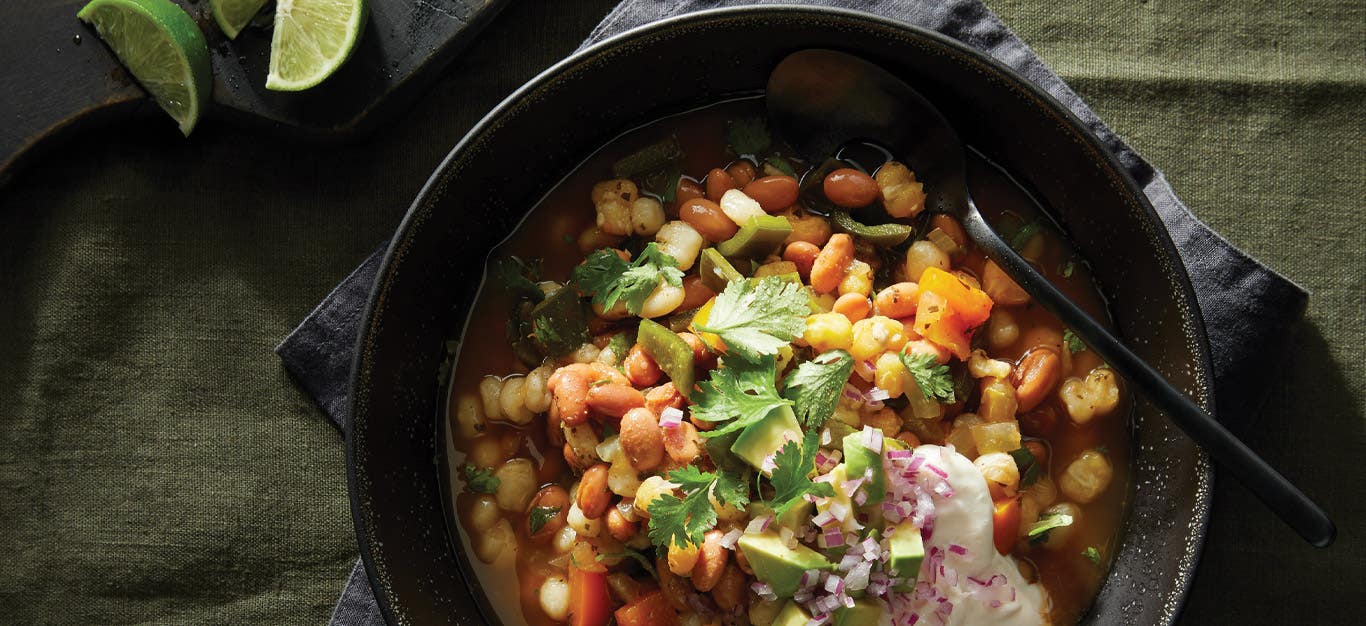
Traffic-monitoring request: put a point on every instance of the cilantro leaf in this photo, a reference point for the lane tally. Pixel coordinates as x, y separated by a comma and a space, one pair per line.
682, 521
932, 378
1027, 465
540, 515
620, 345
481, 480
558, 323
793, 464
742, 391
1072, 341
755, 318
1049, 521
748, 135
815, 386
609, 279
1091, 554
518, 276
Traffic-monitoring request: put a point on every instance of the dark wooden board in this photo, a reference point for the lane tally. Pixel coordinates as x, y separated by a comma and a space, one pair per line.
57, 77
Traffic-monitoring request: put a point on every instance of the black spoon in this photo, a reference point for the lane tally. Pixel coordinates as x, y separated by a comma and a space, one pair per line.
819, 100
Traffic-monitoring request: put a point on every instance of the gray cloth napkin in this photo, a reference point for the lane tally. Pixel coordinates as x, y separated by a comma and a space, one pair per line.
1247, 307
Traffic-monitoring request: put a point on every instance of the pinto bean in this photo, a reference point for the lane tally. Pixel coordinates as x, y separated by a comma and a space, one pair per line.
711, 561
828, 269
850, 188
1035, 377
742, 172
641, 368
686, 190
619, 527
569, 392
729, 592
898, 301
854, 306
641, 439
707, 218
773, 193
695, 293
718, 183
553, 496
666, 395
593, 497
614, 399
681, 443
802, 254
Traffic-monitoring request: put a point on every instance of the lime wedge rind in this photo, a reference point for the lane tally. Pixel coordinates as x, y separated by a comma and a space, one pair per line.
312, 40
162, 48
234, 15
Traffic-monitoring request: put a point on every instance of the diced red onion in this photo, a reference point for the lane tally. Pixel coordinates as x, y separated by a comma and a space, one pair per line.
872, 439
729, 539
823, 519
670, 417
861, 498
840, 511
765, 591
957, 549
877, 394
834, 584
818, 620
759, 524
898, 455
833, 538
937, 472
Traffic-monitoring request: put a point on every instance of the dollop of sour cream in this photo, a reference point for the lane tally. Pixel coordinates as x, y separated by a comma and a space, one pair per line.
963, 535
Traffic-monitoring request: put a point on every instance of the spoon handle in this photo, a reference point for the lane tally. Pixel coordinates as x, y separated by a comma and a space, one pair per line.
1277, 493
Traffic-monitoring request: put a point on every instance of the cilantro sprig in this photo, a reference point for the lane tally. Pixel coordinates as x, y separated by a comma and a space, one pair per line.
742, 391
793, 464
481, 479
758, 317
609, 279
1039, 531
1072, 341
682, 521
932, 378
1091, 554
815, 386
540, 515
1027, 465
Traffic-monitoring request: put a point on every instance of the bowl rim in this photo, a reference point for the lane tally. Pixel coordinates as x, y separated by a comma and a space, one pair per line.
1203, 356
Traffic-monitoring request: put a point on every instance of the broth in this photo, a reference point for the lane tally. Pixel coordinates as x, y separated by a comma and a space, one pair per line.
550, 234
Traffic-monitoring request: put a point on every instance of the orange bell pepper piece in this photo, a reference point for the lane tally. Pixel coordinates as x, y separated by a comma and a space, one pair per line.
972, 305
589, 602
939, 323
649, 609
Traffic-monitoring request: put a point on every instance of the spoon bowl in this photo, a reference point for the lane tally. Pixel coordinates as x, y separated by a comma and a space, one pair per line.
819, 100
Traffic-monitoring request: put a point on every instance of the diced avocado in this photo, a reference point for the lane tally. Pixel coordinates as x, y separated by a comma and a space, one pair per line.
715, 271
838, 475
838, 431
778, 565
864, 613
758, 237
792, 614
906, 551
673, 355
859, 460
761, 439
796, 515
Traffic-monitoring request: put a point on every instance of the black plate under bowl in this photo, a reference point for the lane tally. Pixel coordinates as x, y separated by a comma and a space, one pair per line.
497, 173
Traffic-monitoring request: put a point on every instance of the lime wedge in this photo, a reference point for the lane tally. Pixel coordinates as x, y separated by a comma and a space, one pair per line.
234, 15
312, 39
162, 47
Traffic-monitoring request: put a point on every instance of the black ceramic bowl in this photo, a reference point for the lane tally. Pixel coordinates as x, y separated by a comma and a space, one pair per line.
496, 174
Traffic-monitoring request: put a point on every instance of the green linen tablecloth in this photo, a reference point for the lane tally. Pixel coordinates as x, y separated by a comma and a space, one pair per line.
157, 465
